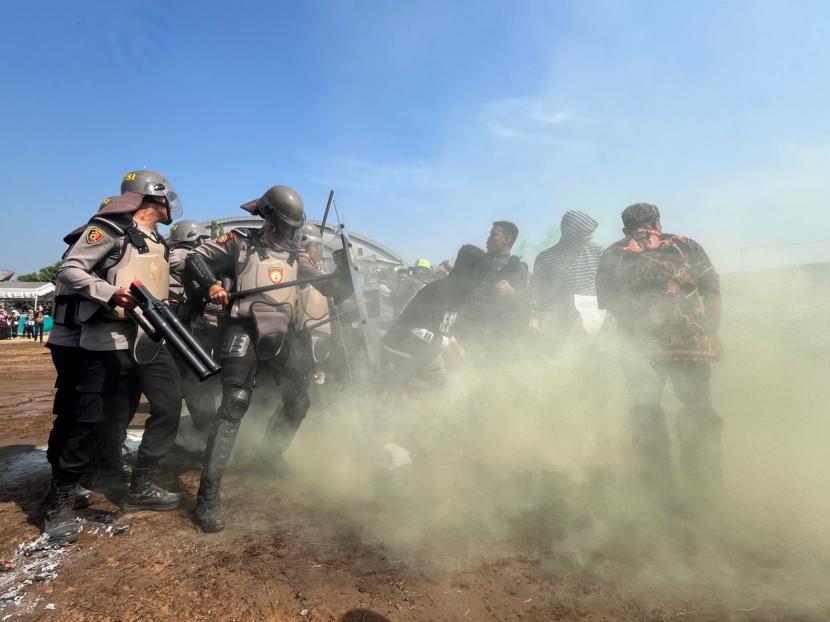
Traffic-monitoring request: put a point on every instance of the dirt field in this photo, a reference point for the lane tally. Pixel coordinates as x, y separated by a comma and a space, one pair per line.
279, 558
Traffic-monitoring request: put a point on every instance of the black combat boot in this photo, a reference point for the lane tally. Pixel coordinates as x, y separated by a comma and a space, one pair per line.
83, 497
209, 513
58, 523
144, 494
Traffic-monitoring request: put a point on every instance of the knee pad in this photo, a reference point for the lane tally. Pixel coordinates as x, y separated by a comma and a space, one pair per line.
235, 402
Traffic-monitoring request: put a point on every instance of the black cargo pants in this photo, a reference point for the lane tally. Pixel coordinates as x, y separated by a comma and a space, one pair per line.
161, 383
86, 382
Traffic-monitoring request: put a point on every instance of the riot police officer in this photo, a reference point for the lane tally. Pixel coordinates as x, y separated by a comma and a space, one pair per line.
260, 332
203, 321
72, 428
121, 244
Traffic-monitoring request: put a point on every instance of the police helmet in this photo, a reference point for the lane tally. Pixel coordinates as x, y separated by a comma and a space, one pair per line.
282, 203
150, 183
188, 231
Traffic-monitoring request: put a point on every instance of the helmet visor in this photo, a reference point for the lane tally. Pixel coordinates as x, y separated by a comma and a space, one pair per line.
174, 202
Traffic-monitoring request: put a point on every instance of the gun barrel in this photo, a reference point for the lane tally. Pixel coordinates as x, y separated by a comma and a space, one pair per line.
191, 341
166, 324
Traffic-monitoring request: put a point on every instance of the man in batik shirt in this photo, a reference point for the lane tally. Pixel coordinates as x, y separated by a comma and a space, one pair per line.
665, 296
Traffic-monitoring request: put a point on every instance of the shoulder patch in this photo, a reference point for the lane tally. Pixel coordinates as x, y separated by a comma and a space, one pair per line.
94, 235
224, 237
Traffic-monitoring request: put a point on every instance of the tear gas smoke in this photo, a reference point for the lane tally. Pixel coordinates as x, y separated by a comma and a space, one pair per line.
534, 457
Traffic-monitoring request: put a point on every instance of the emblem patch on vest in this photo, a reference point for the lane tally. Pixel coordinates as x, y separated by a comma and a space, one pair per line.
275, 275
94, 235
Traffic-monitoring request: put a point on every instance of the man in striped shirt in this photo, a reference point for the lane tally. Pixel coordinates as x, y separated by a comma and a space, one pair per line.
565, 270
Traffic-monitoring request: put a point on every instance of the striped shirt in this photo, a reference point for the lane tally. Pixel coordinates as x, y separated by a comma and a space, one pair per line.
569, 267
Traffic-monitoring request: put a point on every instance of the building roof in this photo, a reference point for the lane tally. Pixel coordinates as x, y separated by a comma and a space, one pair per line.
24, 290
245, 220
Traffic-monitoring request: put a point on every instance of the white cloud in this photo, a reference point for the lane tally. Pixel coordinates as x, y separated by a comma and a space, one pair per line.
515, 117
552, 118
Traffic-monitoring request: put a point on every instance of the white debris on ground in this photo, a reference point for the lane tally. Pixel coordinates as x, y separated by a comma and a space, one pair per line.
46, 556
395, 456
104, 523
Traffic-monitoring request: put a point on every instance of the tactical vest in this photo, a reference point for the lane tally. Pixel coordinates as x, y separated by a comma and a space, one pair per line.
141, 257
274, 312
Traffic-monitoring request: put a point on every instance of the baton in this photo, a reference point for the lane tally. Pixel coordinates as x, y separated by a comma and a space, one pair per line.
275, 286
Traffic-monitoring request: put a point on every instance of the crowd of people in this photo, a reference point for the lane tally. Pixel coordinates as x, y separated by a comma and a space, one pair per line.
28, 324
260, 301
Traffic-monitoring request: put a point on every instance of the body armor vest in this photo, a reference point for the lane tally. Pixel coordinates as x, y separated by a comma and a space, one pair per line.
273, 312
143, 258
148, 266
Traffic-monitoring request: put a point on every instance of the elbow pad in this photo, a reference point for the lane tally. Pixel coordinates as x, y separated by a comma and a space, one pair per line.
199, 270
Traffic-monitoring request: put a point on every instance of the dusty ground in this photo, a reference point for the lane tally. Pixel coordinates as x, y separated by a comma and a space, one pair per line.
279, 559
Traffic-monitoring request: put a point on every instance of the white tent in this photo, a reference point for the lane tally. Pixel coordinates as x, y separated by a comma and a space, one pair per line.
21, 290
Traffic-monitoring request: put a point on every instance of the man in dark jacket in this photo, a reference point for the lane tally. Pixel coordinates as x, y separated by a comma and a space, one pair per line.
665, 296
496, 312
421, 338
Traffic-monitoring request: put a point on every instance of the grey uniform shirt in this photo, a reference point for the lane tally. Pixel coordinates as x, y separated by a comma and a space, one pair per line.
177, 258
98, 249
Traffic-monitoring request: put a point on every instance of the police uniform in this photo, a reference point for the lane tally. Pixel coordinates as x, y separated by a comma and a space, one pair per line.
203, 321
70, 440
261, 328
260, 331
112, 252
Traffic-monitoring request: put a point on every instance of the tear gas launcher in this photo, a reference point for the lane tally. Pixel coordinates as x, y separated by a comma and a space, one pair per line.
159, 322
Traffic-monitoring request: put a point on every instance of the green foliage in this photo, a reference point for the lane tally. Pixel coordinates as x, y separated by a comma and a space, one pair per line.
47, 274
215, 229
525, 248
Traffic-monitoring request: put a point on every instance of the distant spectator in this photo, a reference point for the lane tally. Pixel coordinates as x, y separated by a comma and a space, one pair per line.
29, 326
561, 274
15, 322
5, 325
40, 318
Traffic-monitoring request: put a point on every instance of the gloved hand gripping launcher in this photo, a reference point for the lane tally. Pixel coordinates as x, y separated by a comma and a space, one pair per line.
159, 322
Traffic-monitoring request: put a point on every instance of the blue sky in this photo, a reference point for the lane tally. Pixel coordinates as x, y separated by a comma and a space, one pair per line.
429, 119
